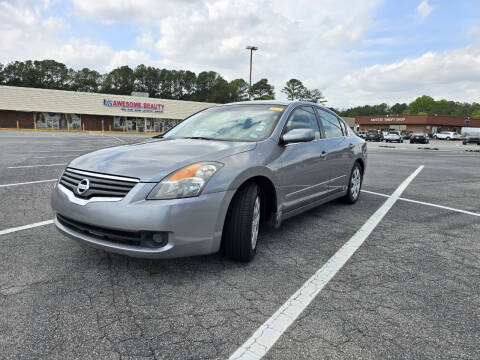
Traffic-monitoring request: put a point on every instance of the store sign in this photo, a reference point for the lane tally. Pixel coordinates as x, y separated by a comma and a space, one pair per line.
388, 119
134, 105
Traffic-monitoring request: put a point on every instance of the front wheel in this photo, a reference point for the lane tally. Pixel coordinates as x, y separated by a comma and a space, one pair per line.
354, 185
448, 139
240, 233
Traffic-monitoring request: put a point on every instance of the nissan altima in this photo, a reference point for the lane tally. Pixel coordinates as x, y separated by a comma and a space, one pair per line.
210, 183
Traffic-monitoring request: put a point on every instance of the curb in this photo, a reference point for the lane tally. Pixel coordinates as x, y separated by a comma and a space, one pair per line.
472, 150
427, 148
387, 146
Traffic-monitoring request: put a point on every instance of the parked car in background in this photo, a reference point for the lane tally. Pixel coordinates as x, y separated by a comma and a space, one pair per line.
471, 135
394, 136
374, 135
421, 138
362, 134
471, 139
209, 183
407, 135
384, 133
447, 135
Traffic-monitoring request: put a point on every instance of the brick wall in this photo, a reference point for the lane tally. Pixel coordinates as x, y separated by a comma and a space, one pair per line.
9, 118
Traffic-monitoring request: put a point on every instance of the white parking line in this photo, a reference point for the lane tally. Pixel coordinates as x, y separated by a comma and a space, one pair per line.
426, 203
26, 183
25, 227
268, 333
32, 166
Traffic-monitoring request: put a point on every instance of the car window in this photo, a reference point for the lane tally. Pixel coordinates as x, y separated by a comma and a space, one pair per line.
330, 123
303, 118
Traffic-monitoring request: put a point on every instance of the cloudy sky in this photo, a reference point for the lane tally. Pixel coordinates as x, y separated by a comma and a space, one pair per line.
355, 51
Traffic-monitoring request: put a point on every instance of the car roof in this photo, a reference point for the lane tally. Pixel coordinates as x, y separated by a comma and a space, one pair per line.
278, 102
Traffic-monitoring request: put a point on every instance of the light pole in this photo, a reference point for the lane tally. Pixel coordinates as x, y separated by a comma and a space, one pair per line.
252, 49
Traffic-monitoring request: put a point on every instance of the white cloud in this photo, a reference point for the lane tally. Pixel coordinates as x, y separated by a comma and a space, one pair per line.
453, 74
318, 42
424, 9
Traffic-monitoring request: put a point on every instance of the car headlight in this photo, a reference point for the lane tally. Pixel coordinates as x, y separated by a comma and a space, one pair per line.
186, 182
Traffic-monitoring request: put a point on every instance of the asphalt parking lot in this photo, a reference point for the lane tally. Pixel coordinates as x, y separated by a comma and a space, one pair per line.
411, 290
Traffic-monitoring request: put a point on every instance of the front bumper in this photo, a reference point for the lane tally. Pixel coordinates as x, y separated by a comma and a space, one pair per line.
194, 225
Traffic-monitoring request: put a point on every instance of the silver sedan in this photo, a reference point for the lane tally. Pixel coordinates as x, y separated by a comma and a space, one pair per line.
211, 182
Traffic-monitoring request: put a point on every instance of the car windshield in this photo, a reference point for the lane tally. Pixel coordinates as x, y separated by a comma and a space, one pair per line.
418, 134
393, 133
253, 122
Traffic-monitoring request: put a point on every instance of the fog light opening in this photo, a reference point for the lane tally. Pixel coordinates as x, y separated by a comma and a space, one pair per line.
159, 239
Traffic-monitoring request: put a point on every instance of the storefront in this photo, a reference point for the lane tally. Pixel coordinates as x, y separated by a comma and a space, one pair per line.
40, 109
415, 123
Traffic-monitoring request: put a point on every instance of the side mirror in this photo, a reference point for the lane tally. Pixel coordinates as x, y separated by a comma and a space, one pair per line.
297, 136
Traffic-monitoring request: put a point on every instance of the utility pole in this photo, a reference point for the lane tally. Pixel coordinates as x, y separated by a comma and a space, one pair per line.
252, 49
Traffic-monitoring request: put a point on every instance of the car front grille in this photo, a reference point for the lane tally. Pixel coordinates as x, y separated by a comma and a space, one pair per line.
132, 238
96, 185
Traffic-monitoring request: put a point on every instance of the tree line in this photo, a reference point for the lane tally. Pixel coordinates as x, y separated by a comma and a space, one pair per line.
422, 105
207, 86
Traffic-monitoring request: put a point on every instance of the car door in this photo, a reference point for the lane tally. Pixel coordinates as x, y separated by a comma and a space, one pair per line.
303, 171
338, 148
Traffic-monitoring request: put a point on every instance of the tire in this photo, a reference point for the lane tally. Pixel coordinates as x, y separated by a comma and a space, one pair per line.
411, 142
435, 137
448, 139
240, 233
352, 196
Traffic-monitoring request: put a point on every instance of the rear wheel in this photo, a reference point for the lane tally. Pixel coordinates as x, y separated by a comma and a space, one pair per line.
448, 139
240, 233
354, 185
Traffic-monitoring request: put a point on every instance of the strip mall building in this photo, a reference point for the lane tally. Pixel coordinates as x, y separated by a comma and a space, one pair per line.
30, 108
415, 123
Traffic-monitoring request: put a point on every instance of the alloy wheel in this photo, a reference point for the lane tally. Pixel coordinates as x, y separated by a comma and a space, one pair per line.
255, 222
355, 183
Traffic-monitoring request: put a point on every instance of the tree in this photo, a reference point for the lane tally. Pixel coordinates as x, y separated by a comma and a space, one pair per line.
209, 87
314, 96
119, 81
475, 114
50, 74
423, 103
398, 109
2, 77
147, 79
238, 90
86, 80
188, 82
262, 90
294, 89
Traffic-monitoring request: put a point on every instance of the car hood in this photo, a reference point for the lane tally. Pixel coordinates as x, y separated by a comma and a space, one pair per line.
153, 160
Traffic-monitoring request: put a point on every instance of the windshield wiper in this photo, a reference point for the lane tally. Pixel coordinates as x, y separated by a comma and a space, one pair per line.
202, 138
